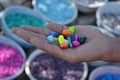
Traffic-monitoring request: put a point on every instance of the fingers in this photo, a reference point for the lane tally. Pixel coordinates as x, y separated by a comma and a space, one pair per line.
14, 30
37, 30
27, 35
55, 27
88, 31
43, 44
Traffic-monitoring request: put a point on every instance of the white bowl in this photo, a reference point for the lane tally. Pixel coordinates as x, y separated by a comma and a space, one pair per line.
7, 32
37, 52
7, 41
111, 7
103, 70
88, 8
34, 2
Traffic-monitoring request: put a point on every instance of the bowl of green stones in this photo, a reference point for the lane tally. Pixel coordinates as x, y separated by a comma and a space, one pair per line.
17, 16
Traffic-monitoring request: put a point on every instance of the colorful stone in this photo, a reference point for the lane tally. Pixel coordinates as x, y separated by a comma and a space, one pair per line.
66, 32
61, 39
82, 39
72, 37
76, 43
70, 42
72, 29
64, 46
54, 34
50, 38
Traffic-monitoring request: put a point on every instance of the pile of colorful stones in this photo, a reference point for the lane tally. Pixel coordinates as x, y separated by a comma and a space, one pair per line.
48, 67
111, 20
11, 61
66, 39
19, 19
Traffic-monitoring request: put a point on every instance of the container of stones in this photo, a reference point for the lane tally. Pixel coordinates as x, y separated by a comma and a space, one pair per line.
12, 59
56, 11
105, 73
89, 6
43, 66
17, 16
108, 17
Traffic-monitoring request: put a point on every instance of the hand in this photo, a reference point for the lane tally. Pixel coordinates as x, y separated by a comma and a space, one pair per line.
97, 47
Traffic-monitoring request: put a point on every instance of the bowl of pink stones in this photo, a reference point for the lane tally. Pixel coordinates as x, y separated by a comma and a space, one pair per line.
67, 38
12, 59
43, 66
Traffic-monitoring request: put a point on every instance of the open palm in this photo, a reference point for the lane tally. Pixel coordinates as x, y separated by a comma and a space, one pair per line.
95, 48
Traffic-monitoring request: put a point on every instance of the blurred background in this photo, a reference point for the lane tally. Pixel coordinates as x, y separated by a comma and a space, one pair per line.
102, 14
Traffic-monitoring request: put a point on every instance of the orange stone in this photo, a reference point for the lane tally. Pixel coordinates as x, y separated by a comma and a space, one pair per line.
64, 46
66, 32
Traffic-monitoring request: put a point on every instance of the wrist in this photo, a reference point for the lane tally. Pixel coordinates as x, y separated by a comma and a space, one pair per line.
115, 54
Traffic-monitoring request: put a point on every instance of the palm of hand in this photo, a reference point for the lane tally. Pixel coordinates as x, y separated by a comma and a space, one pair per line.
94, 49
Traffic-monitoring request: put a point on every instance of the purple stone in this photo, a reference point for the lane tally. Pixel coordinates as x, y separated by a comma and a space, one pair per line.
76, 43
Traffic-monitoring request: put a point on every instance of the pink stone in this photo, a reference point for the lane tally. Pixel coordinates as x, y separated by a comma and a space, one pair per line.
76, 43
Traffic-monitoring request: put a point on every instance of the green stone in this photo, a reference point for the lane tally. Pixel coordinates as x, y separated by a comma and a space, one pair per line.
72, 29
61, 39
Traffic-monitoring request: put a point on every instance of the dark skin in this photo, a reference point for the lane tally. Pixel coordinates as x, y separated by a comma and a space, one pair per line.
97, 47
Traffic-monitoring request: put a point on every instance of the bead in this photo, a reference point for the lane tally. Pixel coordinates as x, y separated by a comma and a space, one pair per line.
65, 32
64, 46
54, 34
72, 29
70, 43
76, 43
72, 37
50, 38
61, 39
82, 39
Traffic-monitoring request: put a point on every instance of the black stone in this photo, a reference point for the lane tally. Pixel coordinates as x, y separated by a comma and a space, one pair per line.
82, 39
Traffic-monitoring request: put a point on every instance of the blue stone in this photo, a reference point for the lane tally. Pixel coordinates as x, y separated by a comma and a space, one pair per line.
54, 34
72, 37
50, 38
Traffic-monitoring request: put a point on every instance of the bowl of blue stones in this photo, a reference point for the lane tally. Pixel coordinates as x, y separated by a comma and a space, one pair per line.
57, 11
105, 73
17, 16
43, 66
